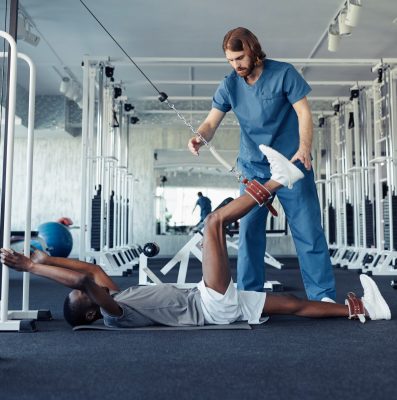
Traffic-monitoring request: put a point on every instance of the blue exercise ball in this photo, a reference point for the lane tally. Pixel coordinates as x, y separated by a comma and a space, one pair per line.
36, 245
19, 245
58, 238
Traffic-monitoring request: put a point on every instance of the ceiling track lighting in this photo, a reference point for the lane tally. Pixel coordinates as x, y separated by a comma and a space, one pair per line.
345, 20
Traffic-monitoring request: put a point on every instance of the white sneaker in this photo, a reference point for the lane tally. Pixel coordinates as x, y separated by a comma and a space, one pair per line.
282, 170
373, 301
327, 300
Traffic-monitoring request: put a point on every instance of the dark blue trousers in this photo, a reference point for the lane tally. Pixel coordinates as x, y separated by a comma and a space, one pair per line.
302, 210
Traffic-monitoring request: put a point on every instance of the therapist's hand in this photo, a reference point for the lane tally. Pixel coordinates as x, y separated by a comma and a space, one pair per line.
194, 145
303, 155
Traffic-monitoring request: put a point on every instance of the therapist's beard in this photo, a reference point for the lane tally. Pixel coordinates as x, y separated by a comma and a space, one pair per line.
244, 72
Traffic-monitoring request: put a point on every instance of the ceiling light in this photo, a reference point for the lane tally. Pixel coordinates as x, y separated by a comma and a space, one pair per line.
24, 31
353, 12
333, 38
344, 29
65, 83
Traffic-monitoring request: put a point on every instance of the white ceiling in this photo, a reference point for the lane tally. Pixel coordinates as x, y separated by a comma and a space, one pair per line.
186, 29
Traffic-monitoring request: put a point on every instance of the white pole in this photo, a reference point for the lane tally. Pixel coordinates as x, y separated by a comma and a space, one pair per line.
29, 175
84, 158
9, 172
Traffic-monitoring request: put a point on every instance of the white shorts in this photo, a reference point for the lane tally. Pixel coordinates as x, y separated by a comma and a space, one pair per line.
234, 305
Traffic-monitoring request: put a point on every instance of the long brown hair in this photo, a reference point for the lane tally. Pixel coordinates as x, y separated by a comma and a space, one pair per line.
242, 39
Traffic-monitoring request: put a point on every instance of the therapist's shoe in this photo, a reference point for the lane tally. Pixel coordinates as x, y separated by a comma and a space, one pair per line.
282, 170
327, 300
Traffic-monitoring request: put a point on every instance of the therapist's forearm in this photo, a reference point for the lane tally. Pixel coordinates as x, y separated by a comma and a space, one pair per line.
305, 130
207, 131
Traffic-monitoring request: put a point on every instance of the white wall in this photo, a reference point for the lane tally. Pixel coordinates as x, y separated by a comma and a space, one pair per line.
56, 180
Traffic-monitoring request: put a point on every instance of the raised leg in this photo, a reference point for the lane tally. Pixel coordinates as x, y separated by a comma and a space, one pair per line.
216, 269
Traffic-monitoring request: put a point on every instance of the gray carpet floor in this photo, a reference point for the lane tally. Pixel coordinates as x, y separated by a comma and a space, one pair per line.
286, 358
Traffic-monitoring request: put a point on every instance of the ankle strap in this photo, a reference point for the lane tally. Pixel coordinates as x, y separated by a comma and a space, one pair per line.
356, 307
260, 194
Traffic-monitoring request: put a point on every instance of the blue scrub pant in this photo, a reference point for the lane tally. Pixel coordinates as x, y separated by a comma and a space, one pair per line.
302, 209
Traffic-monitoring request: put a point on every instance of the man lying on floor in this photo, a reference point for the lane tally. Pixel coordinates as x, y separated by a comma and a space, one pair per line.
215, 300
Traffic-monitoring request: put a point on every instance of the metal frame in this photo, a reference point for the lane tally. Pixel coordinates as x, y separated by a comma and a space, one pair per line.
11, 320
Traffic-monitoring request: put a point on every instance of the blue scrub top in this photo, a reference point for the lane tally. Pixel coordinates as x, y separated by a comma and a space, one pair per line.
265, 113
204, 203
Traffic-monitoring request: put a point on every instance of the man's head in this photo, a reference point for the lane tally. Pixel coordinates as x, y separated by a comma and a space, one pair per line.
199, 194
79, 309
243, 50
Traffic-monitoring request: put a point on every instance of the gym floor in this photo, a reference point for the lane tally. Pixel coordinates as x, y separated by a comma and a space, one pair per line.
286, 358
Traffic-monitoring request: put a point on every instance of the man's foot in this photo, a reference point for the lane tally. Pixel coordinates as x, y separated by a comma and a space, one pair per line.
373, 301
282, 170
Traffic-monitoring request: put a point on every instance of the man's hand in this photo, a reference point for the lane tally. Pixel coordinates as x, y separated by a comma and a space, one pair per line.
303, 155
194, 145
15, 260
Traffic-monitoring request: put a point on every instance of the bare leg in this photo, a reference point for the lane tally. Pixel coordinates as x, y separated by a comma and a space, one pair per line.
216, 269
291, 305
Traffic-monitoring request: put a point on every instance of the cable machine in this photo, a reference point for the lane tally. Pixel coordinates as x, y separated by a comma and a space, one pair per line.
106, 212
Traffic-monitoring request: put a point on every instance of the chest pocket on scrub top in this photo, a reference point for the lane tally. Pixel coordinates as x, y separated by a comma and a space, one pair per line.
272, 105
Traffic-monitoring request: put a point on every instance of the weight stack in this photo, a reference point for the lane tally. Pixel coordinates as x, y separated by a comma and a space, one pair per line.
331, 225
361, 221
127, 210
111, 220
349, 224
96, 220
394, 219
386, 223
369, 220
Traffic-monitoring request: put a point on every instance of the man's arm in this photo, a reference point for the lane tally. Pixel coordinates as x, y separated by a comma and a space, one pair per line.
64, 276
206, 129
67, 277
303, 111
95, 272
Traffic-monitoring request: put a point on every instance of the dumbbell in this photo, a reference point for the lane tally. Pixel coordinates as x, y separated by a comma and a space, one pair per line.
151, 249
